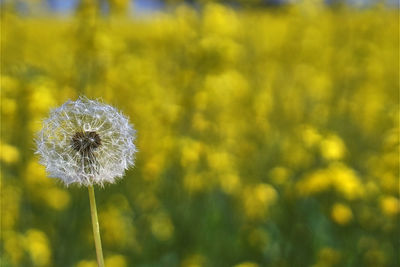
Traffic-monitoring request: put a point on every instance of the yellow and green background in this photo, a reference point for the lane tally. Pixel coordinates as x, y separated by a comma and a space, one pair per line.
267, 135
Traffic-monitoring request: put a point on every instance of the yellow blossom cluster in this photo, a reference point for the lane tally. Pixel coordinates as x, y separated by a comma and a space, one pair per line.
266, 136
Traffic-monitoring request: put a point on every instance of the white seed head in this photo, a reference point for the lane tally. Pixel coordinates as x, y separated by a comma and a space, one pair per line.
86, 142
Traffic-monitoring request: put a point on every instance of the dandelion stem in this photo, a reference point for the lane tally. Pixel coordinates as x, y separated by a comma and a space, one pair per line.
96, 230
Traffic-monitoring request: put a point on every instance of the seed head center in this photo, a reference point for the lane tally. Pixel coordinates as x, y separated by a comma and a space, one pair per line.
85, 142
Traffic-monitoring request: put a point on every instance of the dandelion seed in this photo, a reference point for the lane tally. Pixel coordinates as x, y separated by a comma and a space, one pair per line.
86, 142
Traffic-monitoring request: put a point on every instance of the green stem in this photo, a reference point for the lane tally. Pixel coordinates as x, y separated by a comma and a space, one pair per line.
96, 230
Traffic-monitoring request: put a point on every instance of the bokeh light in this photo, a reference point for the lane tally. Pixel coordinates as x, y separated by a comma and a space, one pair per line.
268, 132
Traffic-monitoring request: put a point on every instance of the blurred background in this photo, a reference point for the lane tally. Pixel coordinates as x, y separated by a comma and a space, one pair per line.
268, 132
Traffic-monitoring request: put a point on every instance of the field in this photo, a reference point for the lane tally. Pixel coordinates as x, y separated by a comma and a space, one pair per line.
266, 137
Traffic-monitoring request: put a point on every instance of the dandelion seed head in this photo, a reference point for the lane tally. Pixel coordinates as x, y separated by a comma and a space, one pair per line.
86, 142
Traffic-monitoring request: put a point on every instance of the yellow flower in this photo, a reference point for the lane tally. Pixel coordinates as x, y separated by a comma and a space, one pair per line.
56, 198
327, 257
337, 176
247, 264
341, 214
220, 20
390, 205
191, 151
257, 199
161, 226
311, 136
8, 153
333, 148
346, 181
37, 245
194, 260
87, 263
115, 261
230, 183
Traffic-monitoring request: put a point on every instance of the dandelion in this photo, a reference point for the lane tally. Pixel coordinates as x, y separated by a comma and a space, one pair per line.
86, 142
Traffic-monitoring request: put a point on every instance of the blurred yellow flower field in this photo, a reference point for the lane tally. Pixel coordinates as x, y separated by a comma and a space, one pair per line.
266, 137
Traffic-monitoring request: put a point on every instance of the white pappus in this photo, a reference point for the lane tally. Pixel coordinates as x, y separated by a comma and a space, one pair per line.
86, 142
